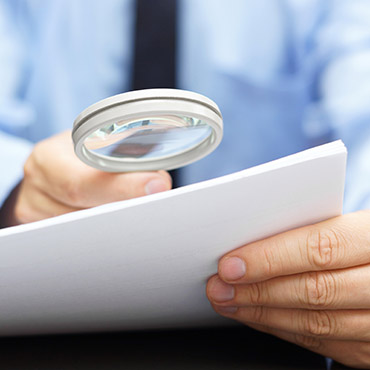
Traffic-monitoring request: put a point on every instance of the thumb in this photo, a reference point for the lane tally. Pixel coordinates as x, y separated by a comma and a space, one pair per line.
102, 187
158, 184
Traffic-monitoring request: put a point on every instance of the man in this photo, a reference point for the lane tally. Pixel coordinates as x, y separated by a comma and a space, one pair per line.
287, 75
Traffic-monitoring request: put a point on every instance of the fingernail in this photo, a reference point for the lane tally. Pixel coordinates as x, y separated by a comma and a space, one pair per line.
227, 310
155, 186
220, 291
232, 268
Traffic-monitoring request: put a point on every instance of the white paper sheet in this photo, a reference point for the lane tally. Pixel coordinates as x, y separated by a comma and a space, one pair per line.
144, 263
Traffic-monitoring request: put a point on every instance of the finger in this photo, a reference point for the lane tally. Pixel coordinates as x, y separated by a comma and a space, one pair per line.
334, 325
351, 353
34, 205
333, 244
54, 168
96, 188
340, 289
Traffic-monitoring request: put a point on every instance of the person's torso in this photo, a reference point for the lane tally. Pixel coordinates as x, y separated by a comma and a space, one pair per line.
246, 55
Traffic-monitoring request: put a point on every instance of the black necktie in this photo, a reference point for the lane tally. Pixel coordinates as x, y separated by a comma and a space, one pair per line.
155, 44
155, 48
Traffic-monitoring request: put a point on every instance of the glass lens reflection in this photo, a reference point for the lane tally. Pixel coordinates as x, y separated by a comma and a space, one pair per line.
148, 138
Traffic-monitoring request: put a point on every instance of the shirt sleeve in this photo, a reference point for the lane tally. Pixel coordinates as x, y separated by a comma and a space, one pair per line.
16, 115
341, 92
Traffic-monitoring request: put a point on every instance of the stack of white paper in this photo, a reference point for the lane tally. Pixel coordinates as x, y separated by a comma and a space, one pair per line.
144, 263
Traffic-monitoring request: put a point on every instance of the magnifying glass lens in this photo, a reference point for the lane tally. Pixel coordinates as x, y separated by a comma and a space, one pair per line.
147, 130
148, 138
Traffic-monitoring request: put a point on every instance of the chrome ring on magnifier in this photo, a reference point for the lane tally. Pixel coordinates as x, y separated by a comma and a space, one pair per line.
147, 130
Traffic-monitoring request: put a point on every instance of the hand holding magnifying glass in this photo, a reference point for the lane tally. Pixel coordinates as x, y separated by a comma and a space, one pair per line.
144, 131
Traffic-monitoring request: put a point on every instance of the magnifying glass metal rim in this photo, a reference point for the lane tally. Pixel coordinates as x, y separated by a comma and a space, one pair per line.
141, 104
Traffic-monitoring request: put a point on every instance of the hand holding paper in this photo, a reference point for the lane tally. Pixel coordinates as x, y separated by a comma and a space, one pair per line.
144, 263
308, 286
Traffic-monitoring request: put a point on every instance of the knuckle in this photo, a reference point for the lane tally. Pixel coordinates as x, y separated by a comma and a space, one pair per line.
258, 314
127, 189
20, 214
323, 247
255, 294
34, 165
38, 154
318, 324
269, 262
72, 191
23, 214
28, 167
320, 289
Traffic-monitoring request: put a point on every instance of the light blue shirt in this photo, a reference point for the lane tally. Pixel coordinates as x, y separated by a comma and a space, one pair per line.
286, 74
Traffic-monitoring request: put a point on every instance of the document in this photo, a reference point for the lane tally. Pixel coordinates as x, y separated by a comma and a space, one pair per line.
144, 263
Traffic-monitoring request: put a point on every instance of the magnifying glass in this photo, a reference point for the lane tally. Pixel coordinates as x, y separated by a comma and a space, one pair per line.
147, 130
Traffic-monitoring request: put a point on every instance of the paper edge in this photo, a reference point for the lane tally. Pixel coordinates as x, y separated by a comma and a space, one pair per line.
325, 150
